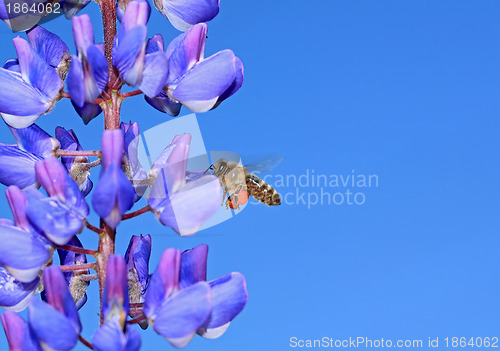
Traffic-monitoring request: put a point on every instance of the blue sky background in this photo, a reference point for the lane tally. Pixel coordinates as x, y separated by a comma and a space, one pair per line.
407, 91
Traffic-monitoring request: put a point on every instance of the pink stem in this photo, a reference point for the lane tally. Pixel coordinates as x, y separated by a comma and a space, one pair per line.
78, 153
136, 213
78, 267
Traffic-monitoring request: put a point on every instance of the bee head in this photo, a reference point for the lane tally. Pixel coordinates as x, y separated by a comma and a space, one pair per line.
220, 168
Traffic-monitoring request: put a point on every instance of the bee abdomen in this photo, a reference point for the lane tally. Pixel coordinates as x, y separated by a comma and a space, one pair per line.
262, 191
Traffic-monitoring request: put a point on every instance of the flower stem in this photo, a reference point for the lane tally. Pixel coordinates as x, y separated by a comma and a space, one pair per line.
85, 342
94, 228
136, 213
78, 267
78, 250
60, 153
130, 93
136, 320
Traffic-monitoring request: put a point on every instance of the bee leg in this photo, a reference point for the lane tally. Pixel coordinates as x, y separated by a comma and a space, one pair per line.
224, 198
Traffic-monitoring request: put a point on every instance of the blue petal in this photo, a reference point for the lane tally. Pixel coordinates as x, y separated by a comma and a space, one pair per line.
88, 111
163, 103
12, 65
82, 32
115, 300
236, 85
20, 98
59, 297
21, 254
110, 337
15, 295
164, 281
155, 44
18, 167
52, 175
17, 203
36, 71
137, 256
186, 50
183, 314
47, 45
229, 297
128, 55
154, 74
76, 87
194, 266
99, 66
136, 13
52, 217
35, 140
185, 13
51, 326
201, 87
113, 195
19, 335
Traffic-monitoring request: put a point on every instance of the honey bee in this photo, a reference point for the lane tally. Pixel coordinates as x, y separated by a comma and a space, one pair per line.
238, 185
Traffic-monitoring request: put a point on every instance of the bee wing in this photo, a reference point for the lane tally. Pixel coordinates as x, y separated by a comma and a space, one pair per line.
265, 165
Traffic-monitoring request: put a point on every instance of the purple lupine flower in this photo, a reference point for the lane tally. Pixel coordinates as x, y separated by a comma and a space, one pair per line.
30, 88
114, 334
185, 13
77, 286
140, 64
176, 313
132, 167
56, 322
18, 160
19, 335
64, 212
88, 72
137, 260
229, 293
15, 295
113, 194
24, 251
197, 83
74, 164
182, 204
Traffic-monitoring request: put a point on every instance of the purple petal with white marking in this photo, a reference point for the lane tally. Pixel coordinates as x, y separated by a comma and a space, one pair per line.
128, 55
15, 295
52, 217
82, 32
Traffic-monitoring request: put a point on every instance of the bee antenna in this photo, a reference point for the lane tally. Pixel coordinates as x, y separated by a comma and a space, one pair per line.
211, 167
